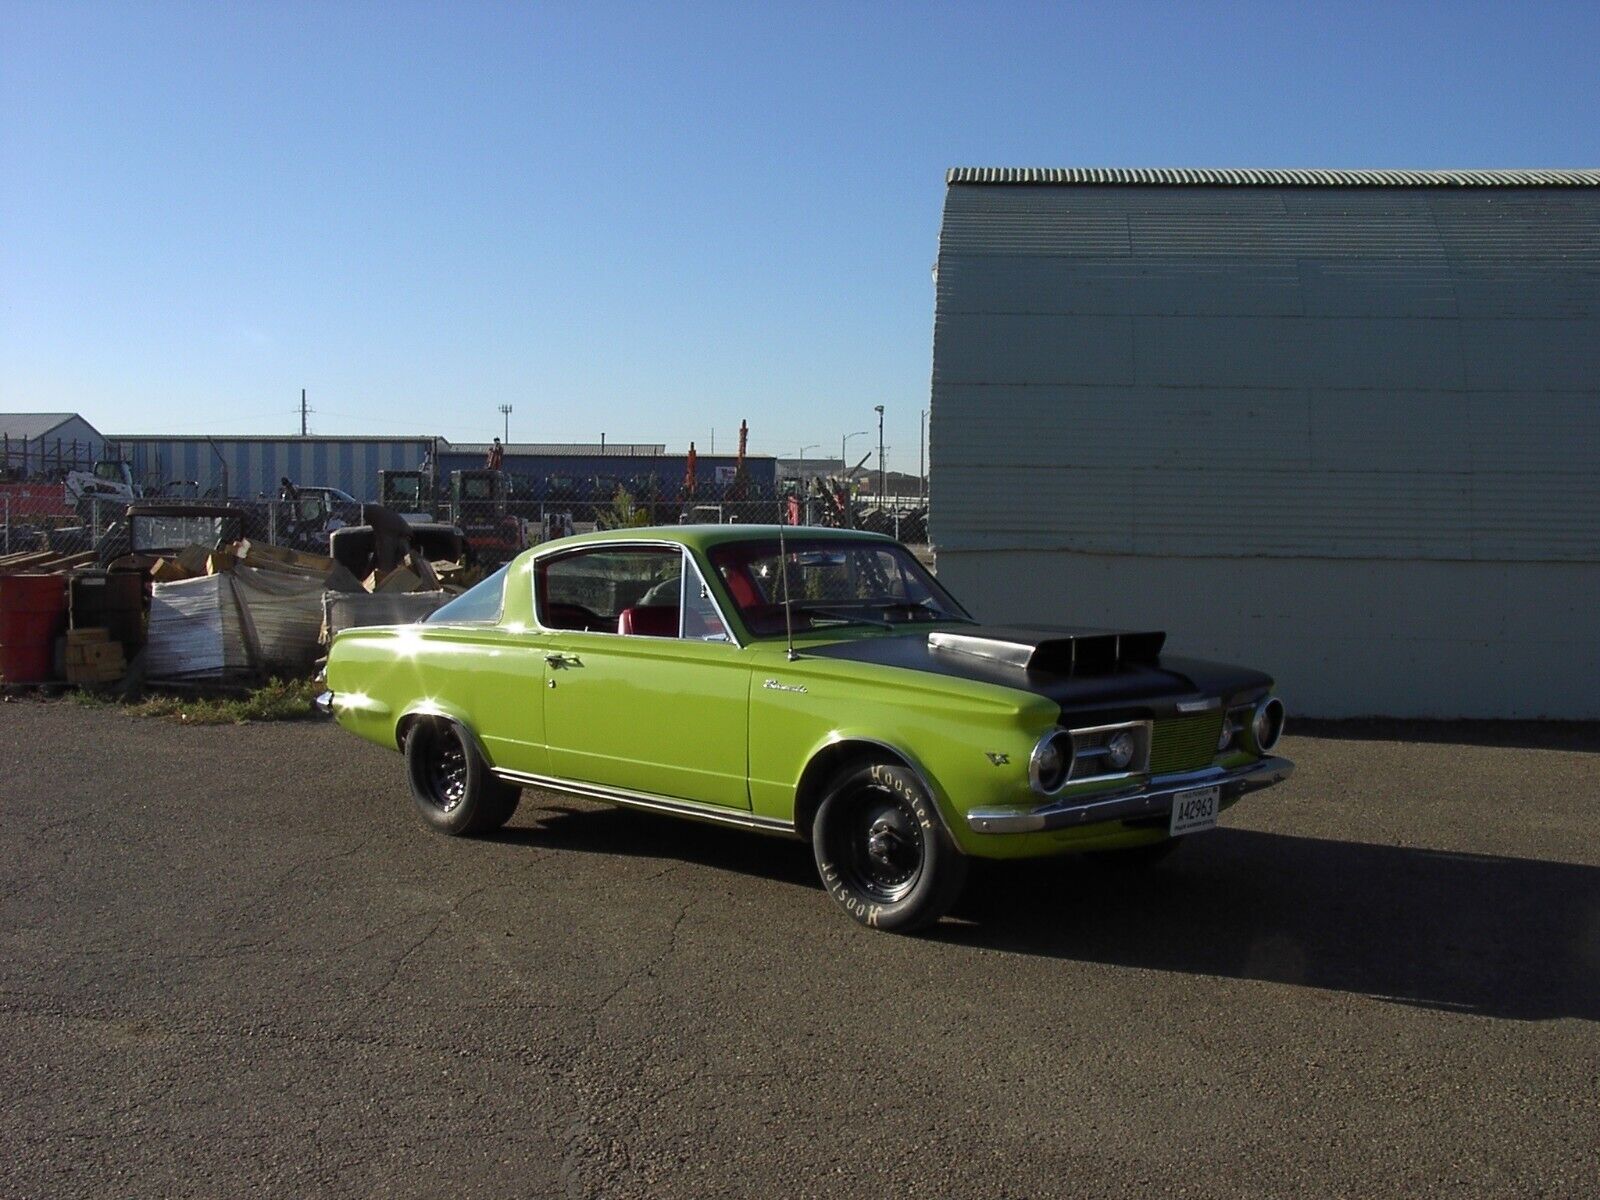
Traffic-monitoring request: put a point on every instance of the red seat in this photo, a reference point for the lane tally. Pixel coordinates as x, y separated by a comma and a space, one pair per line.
649, 620
744, 592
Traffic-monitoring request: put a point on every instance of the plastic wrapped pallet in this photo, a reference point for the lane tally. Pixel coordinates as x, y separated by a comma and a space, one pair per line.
346, 610
195, 630
283, 617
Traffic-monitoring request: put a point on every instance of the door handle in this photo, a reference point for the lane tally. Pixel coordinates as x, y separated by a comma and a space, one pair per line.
562, 660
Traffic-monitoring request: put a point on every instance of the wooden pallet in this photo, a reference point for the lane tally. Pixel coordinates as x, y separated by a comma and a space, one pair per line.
43, 562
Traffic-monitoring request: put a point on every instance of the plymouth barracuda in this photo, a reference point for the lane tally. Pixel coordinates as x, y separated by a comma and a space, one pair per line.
813, 683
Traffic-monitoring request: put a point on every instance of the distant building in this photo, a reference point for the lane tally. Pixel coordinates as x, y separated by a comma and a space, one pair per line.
1343, 425
34, 443
629, 465
253, 466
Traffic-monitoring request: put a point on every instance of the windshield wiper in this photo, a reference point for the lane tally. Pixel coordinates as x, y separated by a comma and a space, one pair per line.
841, 615
919, 606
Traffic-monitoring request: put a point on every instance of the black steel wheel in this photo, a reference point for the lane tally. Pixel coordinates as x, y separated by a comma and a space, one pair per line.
451, 785
882, 849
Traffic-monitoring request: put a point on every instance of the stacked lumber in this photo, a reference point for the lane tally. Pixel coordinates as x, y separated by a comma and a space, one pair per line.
43, 562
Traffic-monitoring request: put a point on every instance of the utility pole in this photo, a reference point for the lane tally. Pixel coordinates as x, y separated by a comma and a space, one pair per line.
882, 479
302, 412
505, 411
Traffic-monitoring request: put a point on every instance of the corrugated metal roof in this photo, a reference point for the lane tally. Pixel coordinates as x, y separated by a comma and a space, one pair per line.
561, 449
27, 426
1232, 177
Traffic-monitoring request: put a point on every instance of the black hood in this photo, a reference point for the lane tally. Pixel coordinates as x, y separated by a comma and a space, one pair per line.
1117, 672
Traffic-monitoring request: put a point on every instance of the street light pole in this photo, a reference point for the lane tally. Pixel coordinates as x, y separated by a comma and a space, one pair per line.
844, 469
882, 479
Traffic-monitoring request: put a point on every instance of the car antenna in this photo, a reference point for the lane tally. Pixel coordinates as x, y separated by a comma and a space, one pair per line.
788, 611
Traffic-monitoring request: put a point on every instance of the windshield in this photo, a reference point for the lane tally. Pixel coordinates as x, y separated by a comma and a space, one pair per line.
166, 531
830, 583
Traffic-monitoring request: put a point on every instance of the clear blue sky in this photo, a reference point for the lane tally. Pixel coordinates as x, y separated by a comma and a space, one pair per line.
645, 220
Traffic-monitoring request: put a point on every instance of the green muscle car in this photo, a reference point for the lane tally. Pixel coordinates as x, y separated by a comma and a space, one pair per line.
806, 682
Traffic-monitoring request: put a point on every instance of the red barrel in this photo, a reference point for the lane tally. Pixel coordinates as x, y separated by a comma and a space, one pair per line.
33, 614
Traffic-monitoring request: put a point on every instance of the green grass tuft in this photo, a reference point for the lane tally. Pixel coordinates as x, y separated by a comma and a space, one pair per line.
276, 700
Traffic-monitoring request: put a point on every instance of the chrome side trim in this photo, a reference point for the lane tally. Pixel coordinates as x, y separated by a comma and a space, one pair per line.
651, 802
1152, 799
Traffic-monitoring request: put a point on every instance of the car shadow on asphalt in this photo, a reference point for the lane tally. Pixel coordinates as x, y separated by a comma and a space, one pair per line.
604, 829
1469, 933
1578, 737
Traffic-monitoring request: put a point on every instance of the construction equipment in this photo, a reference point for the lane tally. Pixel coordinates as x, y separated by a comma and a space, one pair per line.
478, 509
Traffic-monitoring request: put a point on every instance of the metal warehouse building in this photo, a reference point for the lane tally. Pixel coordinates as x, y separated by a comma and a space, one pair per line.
1343, 425
252, 466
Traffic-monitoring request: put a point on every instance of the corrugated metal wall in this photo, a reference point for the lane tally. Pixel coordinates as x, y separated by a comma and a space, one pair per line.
669, 469
1191, 381
253, 466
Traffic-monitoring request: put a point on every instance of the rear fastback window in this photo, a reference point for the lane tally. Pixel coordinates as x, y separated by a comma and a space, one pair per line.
482, 602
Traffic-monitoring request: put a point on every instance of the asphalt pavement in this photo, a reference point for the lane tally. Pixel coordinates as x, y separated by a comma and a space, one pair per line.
233, 963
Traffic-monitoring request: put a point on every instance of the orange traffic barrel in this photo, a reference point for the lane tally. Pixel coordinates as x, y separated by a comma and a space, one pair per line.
33, 614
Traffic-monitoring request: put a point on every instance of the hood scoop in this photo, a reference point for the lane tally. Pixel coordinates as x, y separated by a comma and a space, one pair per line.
1062, 651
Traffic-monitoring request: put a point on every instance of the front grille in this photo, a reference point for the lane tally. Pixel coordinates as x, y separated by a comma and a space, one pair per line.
1185, 743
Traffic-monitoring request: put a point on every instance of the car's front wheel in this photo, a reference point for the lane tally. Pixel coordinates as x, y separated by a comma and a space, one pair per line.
882, 850
450, 783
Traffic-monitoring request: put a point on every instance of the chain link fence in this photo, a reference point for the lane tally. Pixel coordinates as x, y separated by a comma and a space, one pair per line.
86, 517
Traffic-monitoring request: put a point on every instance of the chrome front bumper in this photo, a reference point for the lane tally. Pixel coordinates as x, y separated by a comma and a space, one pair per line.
324, 704
1151, 799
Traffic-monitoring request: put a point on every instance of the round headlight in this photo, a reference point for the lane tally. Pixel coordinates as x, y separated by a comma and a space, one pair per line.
1266, 726
1051, 762
1229, 730
1120, 750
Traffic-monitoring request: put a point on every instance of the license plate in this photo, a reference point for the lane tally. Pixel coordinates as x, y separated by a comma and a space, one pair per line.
1195, 810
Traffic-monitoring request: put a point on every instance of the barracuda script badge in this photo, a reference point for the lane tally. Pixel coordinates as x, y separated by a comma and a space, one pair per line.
772, 685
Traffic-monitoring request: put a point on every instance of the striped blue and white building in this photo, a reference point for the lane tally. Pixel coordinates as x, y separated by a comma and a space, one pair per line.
252, 466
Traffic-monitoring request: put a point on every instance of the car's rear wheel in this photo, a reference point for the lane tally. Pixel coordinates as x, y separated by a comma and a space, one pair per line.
882, 850
451, 786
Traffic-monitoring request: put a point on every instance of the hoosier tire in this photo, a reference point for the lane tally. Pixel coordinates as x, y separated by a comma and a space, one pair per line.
451, 786
882, 849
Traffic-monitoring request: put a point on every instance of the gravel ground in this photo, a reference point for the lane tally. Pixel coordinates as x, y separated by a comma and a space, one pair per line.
232, 962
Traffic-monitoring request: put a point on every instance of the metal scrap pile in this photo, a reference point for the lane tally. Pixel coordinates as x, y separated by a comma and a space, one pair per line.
238, 611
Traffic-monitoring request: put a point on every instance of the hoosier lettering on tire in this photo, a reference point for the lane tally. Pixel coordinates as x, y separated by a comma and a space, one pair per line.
882, 849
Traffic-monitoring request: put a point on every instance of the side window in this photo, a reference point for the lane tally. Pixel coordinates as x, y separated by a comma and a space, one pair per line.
481, 602
701, 621
627, 590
